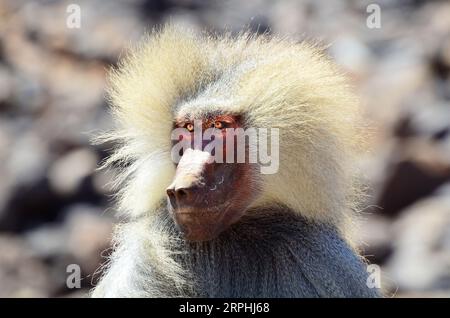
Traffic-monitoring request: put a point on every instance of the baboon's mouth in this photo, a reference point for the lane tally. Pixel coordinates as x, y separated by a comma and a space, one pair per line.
202, 211
203, 224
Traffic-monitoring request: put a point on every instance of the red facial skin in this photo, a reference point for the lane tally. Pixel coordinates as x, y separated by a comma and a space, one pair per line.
204, 201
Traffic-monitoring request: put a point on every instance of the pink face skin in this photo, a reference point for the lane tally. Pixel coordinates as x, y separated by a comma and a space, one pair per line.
206, 198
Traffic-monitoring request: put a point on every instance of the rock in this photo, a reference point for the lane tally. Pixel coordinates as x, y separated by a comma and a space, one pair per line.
28, 159
48, 241
418, 169
89, 233
421, 260
6, 84
68, 172
21, 274
289, 17
83, 239
352, 54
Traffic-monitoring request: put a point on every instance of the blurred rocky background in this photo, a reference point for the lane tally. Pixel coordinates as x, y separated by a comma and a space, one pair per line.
55, 208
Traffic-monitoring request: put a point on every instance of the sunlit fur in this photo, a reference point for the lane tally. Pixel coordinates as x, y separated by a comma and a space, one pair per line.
274, 83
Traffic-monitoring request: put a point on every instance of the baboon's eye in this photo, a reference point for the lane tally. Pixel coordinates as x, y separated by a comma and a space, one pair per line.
219, 125
190, 127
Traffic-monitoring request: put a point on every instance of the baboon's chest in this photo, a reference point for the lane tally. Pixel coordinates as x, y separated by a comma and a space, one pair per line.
252, 260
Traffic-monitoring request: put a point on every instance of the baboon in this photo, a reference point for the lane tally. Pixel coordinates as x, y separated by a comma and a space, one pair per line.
197, 228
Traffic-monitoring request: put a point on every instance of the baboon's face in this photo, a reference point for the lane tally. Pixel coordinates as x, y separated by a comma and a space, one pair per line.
207, 196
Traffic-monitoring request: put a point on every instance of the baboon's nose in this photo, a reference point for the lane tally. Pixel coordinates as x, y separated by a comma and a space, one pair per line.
179, 196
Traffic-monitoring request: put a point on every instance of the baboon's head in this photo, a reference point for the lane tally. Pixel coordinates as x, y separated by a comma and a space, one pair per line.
278, 87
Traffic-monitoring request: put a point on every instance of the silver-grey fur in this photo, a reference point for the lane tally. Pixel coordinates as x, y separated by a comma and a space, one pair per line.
269, 253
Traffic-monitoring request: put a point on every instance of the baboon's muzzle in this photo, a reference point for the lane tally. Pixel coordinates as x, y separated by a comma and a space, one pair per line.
201, 196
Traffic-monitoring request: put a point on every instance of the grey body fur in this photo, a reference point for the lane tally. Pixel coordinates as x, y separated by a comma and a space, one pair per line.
271, 253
